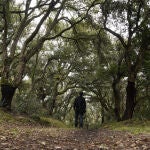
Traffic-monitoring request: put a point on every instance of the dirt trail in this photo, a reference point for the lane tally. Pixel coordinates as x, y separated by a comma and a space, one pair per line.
15, 137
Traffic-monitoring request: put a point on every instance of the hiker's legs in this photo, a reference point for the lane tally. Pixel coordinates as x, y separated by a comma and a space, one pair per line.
81, 120
76, 119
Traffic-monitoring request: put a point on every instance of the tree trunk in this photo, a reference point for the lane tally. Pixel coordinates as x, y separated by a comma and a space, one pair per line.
54, 97
102, 113
52, 106
8, 92
130, 101
117, 99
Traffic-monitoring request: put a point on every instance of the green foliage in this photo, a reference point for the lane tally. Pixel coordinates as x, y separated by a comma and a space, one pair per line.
146, 65
142, 110
28, 104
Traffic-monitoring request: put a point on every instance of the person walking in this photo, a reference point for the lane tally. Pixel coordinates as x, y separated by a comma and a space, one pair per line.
80, 109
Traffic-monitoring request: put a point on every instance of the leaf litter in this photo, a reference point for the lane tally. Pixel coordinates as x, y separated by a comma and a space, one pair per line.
29, 137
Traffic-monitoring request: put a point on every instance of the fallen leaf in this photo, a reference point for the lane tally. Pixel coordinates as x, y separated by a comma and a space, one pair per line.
58, 148
42, 142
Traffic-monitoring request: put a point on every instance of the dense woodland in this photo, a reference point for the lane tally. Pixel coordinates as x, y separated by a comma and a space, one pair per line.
52, 49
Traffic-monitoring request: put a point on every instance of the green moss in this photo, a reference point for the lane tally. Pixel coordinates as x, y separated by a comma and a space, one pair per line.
47, 121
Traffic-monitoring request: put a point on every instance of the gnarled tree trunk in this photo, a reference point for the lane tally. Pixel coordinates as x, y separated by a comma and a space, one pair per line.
8, 92
130, 101
54, 97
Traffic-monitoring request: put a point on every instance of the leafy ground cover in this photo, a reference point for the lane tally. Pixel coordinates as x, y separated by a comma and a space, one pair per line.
21, 133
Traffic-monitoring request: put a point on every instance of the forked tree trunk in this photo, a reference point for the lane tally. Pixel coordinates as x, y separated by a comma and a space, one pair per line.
130, 101
8, 92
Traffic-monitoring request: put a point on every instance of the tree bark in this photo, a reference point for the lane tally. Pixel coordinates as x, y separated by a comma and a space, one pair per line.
54, 97
102, 113
8, 92
130, 101
117, 99
52, 106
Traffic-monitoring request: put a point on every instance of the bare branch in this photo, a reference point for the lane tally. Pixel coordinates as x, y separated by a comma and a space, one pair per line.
117, 35
34, 33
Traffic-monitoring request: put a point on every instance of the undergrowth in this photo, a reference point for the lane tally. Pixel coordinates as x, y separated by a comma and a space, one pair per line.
6, 117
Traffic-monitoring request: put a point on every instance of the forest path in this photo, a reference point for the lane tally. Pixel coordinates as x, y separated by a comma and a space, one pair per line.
29, 137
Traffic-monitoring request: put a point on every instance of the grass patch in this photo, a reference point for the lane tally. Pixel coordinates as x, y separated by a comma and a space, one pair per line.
133, 126
47, 121
52, 122
6, 117
32, 120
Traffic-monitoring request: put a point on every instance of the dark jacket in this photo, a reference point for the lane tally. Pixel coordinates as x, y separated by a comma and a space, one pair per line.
80, 105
